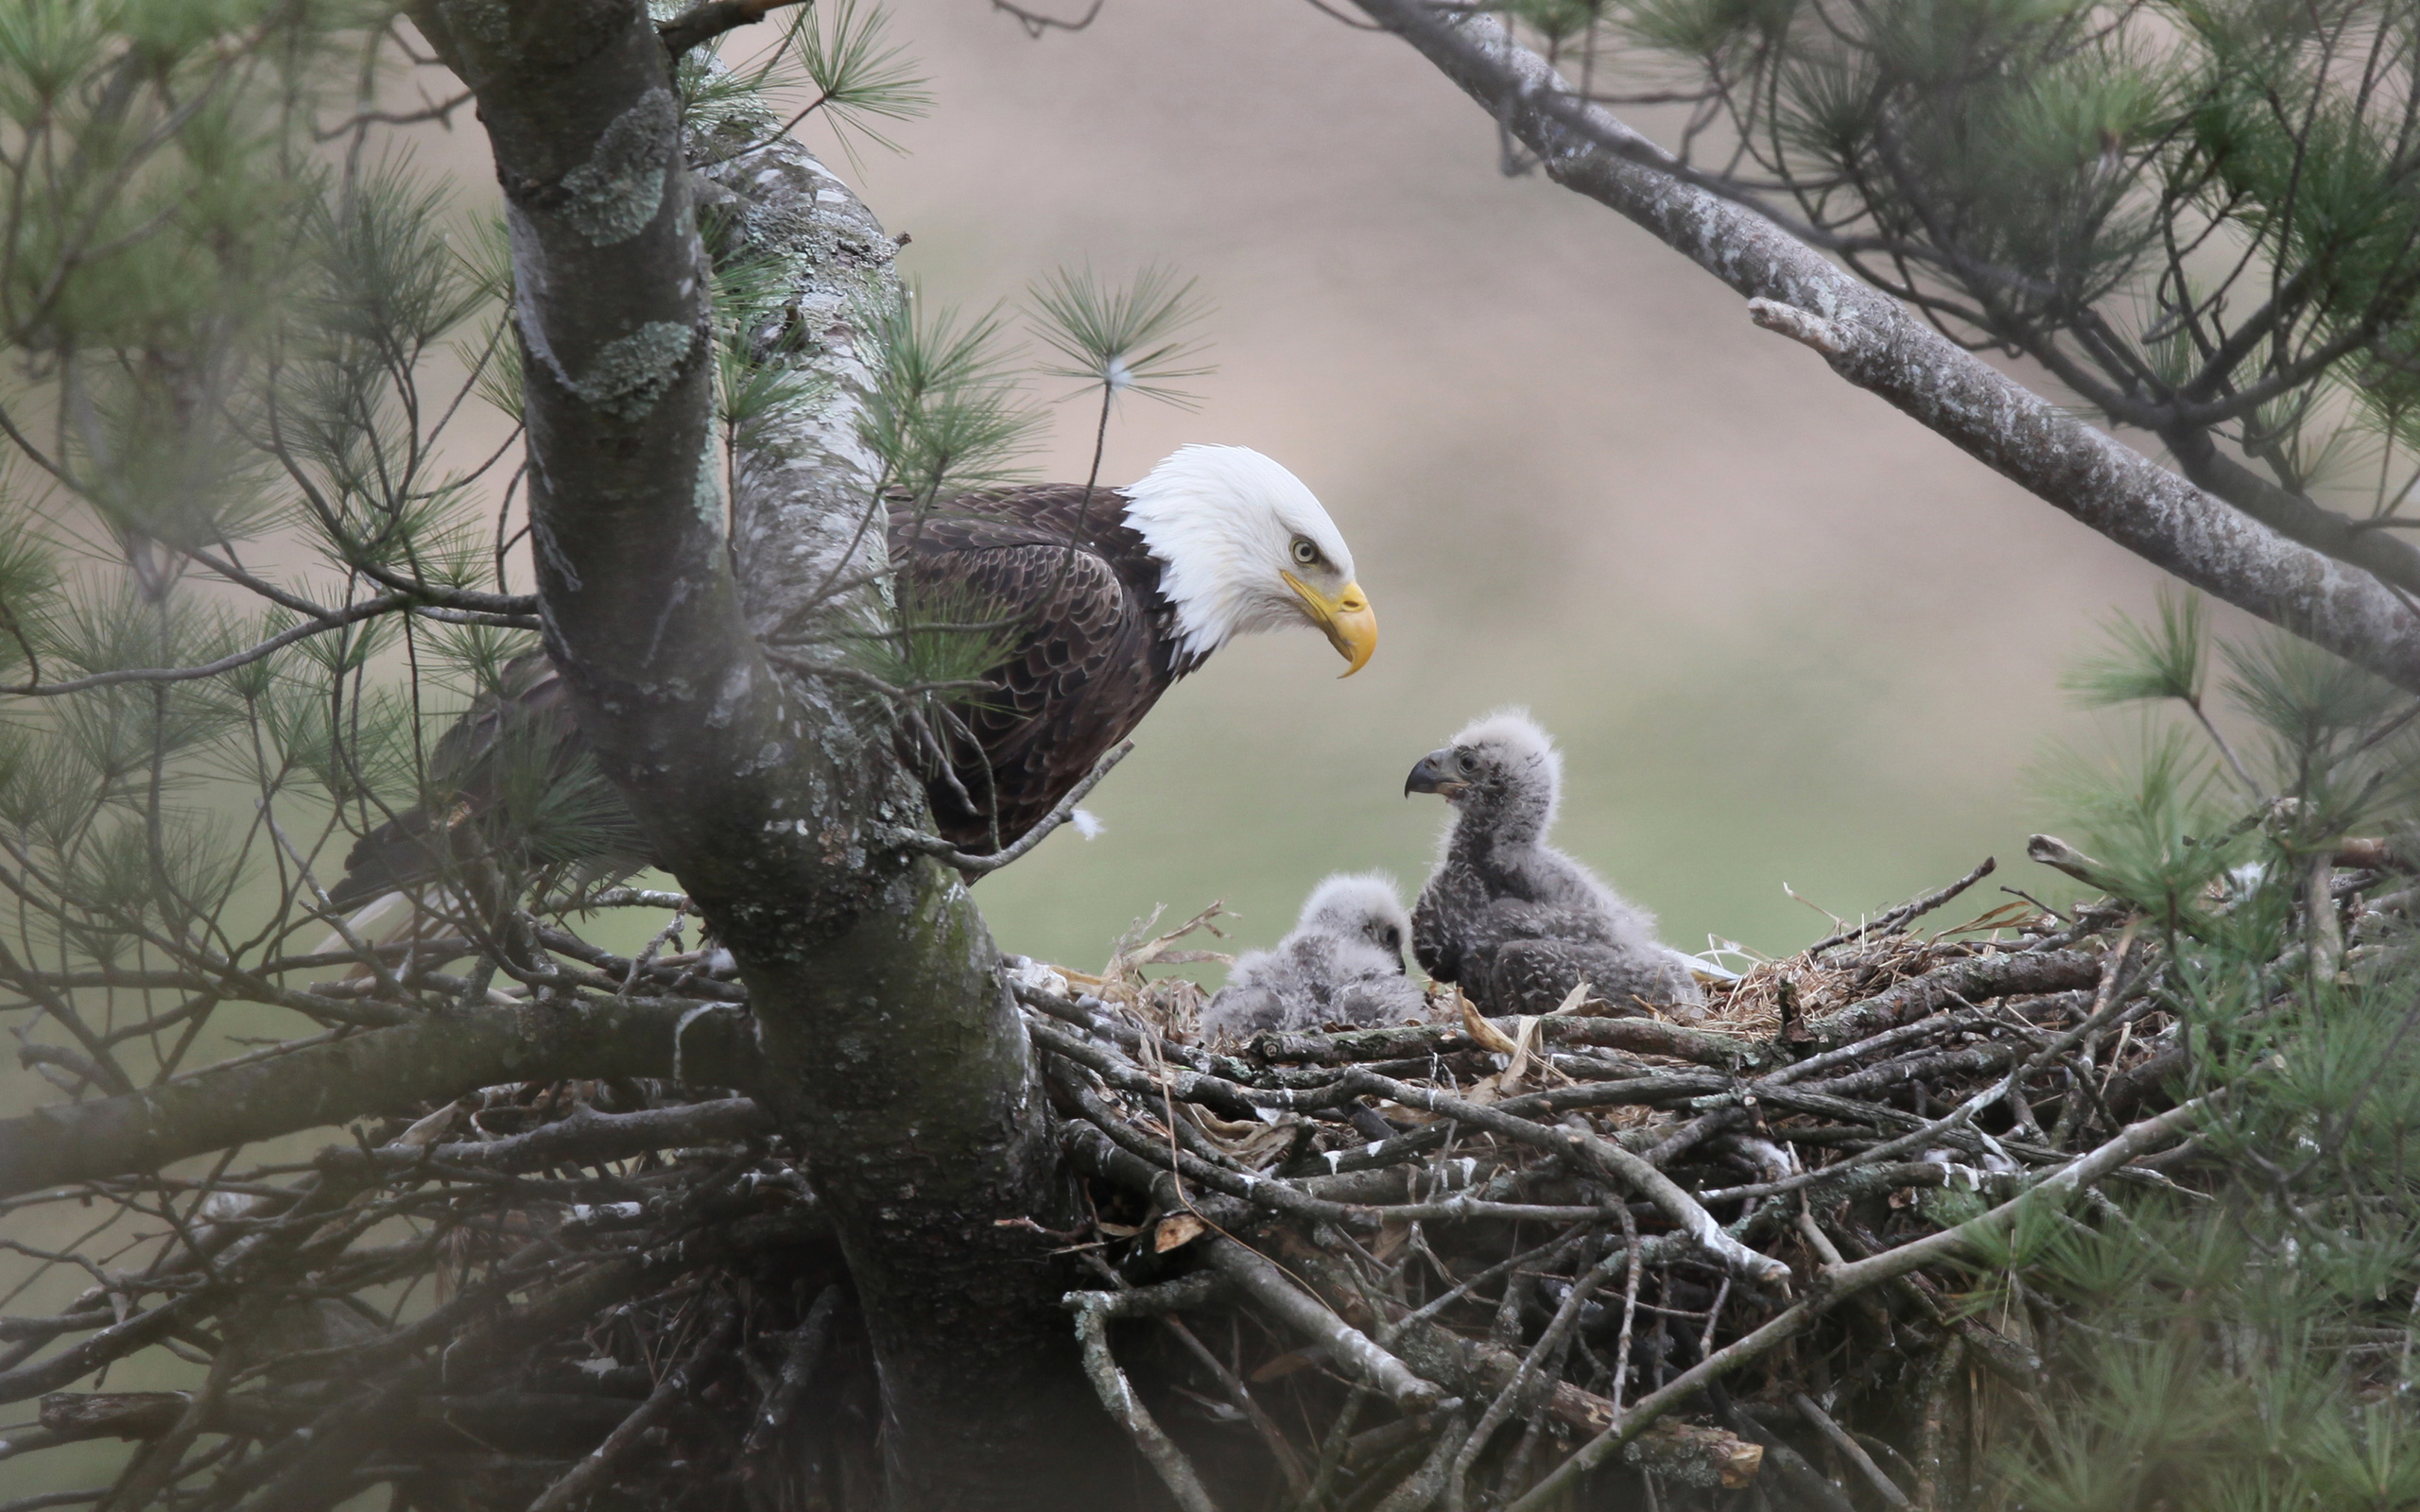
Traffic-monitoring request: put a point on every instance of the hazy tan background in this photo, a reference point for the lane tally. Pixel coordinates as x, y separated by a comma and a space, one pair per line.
1784, 634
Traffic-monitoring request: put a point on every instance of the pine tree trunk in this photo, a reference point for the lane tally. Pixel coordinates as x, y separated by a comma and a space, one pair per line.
891, 1050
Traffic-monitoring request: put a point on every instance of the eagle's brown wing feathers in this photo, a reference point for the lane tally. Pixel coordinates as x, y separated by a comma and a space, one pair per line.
1088, 654
514, 762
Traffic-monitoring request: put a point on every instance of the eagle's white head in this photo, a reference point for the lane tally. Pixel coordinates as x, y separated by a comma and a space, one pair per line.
1246, 547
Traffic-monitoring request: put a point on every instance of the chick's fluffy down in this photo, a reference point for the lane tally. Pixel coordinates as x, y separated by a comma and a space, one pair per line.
1342, 964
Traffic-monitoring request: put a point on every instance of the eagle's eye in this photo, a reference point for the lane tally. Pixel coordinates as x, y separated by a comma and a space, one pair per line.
1305, 553
1393, 938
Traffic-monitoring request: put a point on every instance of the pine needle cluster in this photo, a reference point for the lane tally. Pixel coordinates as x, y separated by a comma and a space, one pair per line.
2248, 1344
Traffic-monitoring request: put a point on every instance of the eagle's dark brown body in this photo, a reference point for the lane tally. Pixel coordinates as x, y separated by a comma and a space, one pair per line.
1089, 650
1093, 649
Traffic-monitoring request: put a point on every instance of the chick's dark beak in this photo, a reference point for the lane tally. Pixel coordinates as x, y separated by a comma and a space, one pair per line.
1429, 776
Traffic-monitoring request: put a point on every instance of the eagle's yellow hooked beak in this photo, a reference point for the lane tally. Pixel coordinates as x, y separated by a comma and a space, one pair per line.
1351, 626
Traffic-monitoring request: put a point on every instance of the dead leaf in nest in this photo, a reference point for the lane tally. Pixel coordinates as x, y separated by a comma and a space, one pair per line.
1176, 1231
430, 1129
1221, 1128
1255, 1145
1116, 1230
1516, 1049
1485, 1035
1390, 1240
1270, 1142
1572, 1001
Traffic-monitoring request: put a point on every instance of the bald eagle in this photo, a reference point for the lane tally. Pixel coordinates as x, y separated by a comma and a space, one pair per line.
1103, 598
1341, 964
1512, 919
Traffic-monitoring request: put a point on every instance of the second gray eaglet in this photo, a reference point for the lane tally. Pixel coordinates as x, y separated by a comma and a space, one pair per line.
1342, 964
1512, 920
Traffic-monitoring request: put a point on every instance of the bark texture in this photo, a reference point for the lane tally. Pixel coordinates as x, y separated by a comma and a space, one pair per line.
1873, 342
891, 1049
384, 1070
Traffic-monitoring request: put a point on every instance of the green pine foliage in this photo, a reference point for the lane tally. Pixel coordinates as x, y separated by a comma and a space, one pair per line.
260, 527
1139, 337
837, 57
2199, 215
946, 413
2247, 1343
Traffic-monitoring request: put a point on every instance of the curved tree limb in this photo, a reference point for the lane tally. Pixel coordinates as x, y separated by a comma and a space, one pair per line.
1117, 1398
436, 1057
1873, 342
892, 1053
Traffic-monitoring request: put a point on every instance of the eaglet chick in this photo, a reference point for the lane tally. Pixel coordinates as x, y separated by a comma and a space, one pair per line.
1512, 920
1342, 964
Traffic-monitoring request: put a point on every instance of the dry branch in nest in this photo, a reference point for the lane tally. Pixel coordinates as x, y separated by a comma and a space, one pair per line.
1457, 1264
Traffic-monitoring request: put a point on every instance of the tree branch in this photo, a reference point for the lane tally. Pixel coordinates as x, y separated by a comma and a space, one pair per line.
702, 24
890, 1052
435, 1058
975, 866
1119, 1399
1836, 1283
1882, 347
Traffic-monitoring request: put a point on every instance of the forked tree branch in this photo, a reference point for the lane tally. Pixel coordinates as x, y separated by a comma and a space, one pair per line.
1870, 339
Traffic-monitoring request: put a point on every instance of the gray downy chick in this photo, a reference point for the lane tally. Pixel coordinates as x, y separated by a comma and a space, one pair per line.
1511, 918
1342, 964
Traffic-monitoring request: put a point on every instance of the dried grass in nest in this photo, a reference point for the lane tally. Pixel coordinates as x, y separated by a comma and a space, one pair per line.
1169, 1005
1815, 983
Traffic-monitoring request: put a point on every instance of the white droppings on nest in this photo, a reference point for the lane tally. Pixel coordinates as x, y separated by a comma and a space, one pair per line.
1040, 978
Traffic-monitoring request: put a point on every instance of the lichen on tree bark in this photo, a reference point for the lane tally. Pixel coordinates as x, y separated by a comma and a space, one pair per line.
891, 1050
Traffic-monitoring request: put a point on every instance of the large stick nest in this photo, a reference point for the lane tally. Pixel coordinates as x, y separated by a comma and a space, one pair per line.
1460, 1262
